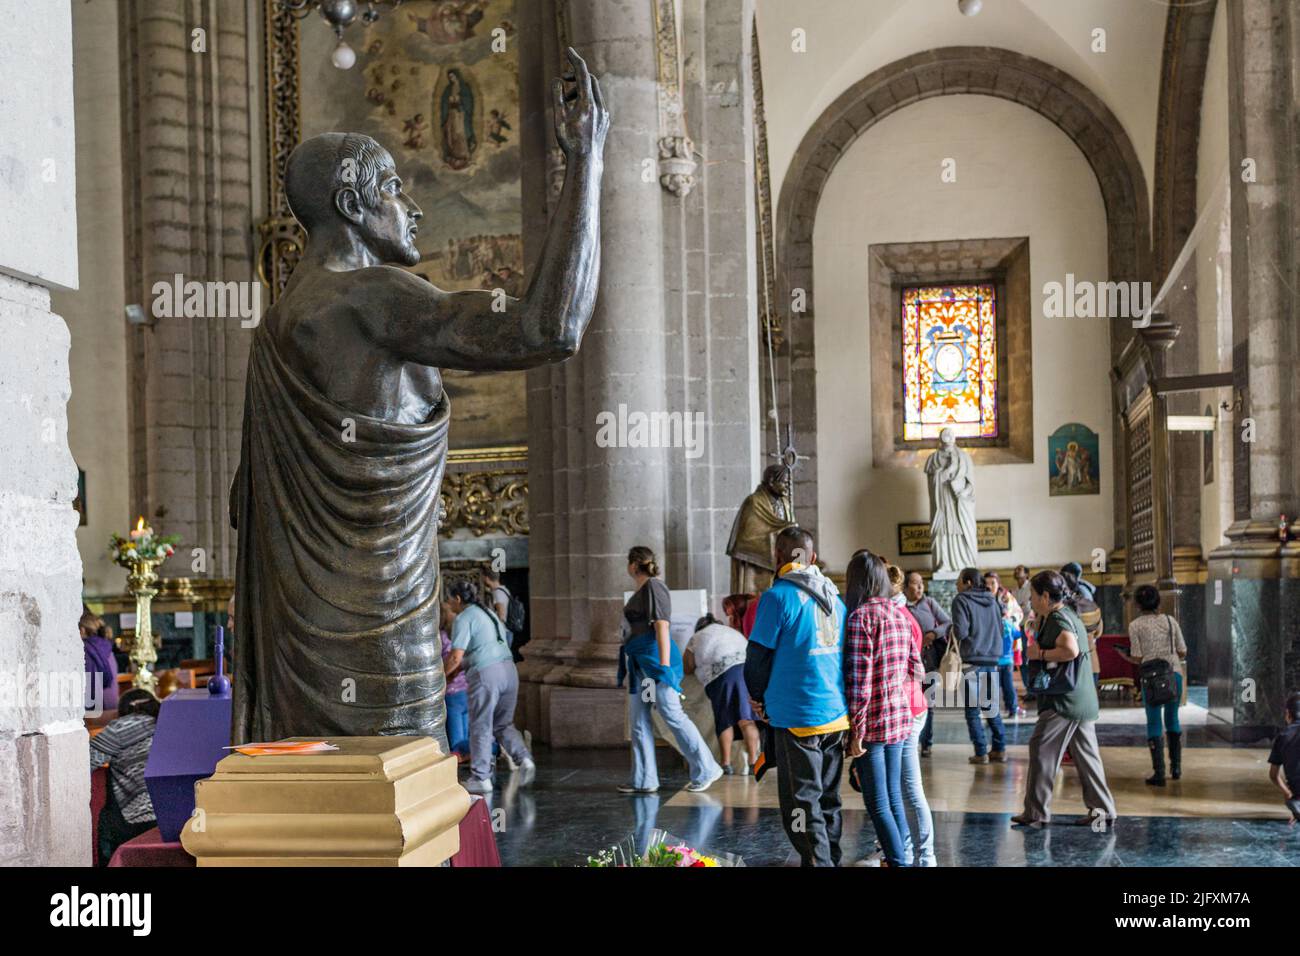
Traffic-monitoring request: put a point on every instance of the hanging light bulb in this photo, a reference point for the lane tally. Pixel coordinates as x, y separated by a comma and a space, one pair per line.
344, 56
970, 7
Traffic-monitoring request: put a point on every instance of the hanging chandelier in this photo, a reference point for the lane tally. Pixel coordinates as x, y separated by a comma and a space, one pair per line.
339, 14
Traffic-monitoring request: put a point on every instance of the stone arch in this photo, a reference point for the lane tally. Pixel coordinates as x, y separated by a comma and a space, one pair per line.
988, 71
1188, 28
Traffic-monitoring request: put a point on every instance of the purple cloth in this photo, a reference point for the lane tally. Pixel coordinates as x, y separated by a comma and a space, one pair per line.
101, 664
458, 684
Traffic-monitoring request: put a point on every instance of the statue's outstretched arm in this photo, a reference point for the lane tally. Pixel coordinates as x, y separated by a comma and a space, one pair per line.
488, 330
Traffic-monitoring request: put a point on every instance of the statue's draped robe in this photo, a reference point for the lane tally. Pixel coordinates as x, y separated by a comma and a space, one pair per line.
953, 540
750, 547
336, 594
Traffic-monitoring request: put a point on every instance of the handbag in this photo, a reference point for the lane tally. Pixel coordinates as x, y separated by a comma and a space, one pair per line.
950, 668
1157, 676
1045, 681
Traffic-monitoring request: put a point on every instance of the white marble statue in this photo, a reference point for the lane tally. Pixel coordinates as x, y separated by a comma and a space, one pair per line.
951, 477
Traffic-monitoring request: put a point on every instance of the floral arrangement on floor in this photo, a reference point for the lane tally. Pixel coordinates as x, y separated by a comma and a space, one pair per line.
142, 545
663, 851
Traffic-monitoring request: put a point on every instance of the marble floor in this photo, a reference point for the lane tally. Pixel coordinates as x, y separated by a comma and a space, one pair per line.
1224, 812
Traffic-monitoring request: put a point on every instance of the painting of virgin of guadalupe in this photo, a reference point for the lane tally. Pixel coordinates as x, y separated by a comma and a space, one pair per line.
456, 120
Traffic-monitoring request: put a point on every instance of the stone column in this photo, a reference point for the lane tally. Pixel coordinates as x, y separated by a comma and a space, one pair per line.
590, 504
673, 332
188, 195
714, 349
1254, 645
44, 784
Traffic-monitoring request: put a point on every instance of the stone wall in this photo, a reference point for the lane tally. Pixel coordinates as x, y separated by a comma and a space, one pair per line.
186, 141
44, 784
97, 421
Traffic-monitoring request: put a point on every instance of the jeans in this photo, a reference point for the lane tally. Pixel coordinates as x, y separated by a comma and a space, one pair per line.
914, 796
981, 685
931, 694
808, 771
645, 772
880, 774
493, 691
1006, 672
458, 721
1169, 711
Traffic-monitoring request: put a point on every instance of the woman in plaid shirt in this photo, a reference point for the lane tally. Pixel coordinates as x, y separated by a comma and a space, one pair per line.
881, 664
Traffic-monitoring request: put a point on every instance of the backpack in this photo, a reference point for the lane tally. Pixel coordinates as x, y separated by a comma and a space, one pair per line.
515, 613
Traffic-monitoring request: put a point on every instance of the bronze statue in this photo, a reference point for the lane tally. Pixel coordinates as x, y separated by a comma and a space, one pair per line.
345, 433
761, 516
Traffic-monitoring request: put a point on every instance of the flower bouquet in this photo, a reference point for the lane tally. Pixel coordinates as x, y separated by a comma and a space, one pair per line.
663, 850
142, 545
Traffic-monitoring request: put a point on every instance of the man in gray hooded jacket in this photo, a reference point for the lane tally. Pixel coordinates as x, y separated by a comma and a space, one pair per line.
977, 625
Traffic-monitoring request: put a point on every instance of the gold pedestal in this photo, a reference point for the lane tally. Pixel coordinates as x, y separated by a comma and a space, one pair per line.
376, 801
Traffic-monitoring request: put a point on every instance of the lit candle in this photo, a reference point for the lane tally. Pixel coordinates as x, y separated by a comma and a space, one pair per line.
140, 530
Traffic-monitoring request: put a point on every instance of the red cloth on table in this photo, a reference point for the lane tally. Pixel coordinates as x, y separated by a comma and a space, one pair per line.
1112, 665
478, 845
149, 849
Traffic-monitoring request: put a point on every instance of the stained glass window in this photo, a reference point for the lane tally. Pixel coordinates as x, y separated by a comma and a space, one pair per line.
950, 361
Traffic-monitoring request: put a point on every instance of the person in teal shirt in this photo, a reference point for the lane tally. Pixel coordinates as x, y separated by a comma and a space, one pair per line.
794, 674
651, 663
480, 644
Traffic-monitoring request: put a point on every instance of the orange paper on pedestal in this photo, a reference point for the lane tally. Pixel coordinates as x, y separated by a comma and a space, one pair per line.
284, 747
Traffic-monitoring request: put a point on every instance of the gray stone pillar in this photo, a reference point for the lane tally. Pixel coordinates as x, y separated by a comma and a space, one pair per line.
44, 783
673, 332
590, 504
710, 255
1254, 648
186, 146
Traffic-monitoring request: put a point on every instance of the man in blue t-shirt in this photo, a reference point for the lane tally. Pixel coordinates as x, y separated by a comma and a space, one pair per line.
1284, 759
794, 675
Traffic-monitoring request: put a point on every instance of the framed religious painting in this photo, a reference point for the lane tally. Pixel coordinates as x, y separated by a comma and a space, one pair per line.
1073, 461
435, 82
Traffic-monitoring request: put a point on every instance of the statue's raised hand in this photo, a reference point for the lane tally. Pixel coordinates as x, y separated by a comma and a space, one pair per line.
581, 120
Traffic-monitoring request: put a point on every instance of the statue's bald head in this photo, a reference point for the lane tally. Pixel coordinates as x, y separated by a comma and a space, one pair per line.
320, 167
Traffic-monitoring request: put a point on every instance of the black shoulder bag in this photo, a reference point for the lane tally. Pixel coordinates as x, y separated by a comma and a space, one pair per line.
1157, 676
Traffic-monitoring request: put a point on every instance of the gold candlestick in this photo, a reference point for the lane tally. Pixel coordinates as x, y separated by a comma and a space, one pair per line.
140, 582
140, 555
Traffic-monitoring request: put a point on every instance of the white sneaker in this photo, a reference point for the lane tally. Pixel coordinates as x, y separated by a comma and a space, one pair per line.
875, 859
702, 785
475, 785
529, 772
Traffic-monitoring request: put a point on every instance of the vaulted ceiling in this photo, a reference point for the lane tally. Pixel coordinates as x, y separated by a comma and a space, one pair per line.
848, 39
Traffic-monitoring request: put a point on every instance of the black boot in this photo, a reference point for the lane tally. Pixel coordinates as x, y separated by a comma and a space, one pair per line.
1157, 747
1175, 755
